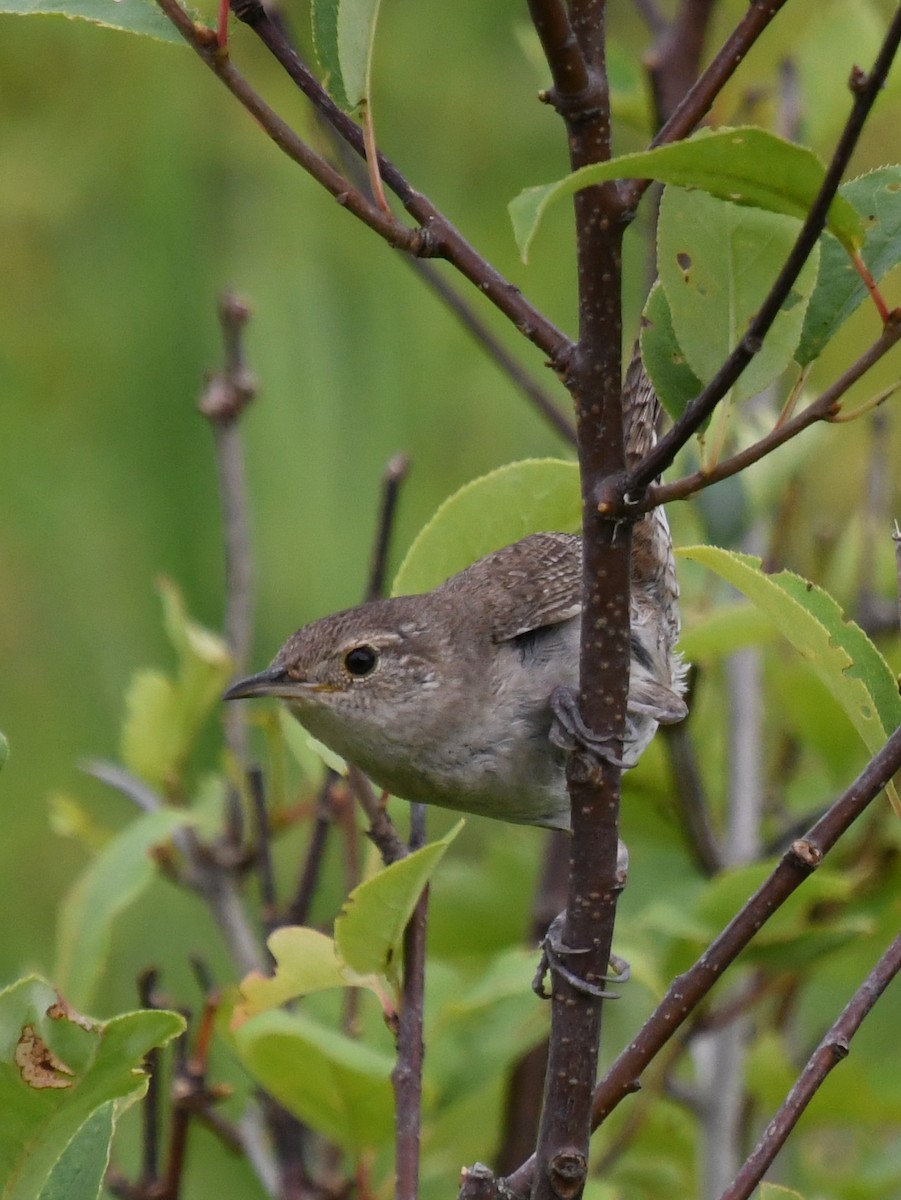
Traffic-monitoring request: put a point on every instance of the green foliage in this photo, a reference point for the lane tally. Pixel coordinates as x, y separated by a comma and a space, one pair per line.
344, 1088
116, 878
132, 16
64, 1081
364, 351
717, 262
369, 931
664, 359
840, 290
745, 165
490, 512
164, 713
4, 750
845, 659
344, 37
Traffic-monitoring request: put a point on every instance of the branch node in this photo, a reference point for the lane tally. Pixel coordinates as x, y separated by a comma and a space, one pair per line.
566, 1173
858, 80
806, 853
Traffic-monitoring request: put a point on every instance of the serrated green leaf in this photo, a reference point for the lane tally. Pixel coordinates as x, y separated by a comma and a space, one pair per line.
746, 165
664, 359
336, 1085
370, 926
344, 38
532, 496
90, 1064
131, 16
717, 262
305, 961
112, 882
840, 290
839, 651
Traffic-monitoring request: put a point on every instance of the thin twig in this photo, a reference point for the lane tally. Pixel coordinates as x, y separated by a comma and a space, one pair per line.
865, 90
696, 103
821, 409
834, 1047
203, 42
437, 237
263, 855
688, 990
406, 1078
150, 1105
308, 881
674, 60
381, 831
225, 397
525, 1087
394, 475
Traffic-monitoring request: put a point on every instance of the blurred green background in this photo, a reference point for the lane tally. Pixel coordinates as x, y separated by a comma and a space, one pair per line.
132, 190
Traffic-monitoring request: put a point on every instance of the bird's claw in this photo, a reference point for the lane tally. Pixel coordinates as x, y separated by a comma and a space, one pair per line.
553, 952
569, 732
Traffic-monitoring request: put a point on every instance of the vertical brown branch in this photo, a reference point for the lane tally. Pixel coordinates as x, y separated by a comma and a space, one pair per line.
574, 44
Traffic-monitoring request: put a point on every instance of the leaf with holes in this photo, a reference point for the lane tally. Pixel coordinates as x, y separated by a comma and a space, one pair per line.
717, 262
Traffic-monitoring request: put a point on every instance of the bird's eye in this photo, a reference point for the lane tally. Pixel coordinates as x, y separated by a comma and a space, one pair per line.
361, 661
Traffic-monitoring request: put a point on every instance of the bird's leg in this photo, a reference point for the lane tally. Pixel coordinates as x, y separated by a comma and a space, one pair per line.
553, 951
569, 732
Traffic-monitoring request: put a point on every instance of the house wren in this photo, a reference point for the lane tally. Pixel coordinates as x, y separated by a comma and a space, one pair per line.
455, 697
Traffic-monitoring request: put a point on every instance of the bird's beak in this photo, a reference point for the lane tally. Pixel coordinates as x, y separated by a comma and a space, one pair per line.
271, 682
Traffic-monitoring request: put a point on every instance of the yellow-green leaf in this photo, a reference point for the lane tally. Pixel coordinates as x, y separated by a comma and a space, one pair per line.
842, 655
369, 929
533, 496
747, 165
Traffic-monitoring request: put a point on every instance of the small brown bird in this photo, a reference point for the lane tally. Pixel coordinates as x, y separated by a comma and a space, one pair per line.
453, 697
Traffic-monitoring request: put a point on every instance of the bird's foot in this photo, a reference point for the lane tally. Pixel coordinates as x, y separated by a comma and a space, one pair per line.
569, 732
553, 951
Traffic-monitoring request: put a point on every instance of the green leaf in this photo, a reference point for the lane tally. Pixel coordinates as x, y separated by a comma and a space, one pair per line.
79, 1173
840, 290
305, 961
344, 37
664, 359
113, 881
335, 1084
532, 496
717, 262
724, 630
58, 1069
369, 928
163, 714
746, 165
839, 651
132, 16
310, 754
4, 750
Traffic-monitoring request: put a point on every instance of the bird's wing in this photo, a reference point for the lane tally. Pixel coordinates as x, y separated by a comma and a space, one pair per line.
533, 583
